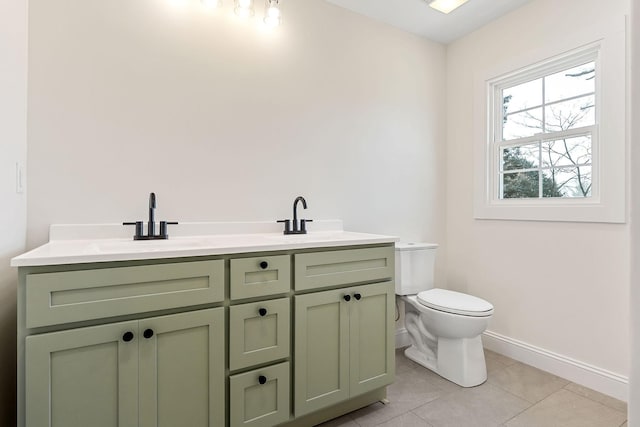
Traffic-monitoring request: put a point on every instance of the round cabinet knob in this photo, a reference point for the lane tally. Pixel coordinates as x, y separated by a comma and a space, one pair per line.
262, 312
357, 296
128, 336
264, 264
262, 379
148, 333
347, 298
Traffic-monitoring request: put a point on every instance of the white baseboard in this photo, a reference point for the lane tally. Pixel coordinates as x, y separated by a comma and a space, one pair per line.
402, 338
590, 376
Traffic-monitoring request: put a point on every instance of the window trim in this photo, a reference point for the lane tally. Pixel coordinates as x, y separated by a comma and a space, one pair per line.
608, 200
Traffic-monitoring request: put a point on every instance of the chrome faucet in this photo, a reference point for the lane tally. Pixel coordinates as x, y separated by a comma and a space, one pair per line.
302, 227
151, 226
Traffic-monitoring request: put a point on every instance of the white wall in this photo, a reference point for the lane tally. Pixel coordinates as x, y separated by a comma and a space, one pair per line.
13, 126
225, 121
634, 389
560, 287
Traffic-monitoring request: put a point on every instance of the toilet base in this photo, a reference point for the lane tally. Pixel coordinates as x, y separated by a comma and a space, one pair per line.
460, 361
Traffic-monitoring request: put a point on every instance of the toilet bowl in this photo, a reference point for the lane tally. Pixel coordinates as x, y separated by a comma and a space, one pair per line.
444, 326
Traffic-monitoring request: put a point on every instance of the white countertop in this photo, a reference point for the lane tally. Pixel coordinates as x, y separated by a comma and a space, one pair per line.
74, 244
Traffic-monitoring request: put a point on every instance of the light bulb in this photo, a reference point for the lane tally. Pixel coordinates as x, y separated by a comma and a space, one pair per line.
446, 6
272, 16
244, 8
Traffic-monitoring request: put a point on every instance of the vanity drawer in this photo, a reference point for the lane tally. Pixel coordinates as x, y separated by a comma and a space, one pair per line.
334, 268
260, 398
260, 276
259, 332
73, 296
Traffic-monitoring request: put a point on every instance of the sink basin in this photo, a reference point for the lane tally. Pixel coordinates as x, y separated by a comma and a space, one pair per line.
312, 237
134, 246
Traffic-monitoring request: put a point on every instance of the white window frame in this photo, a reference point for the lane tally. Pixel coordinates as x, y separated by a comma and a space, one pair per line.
495, 88
607, 202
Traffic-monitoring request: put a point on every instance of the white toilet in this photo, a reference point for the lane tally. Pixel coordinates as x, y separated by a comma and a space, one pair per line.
444, 326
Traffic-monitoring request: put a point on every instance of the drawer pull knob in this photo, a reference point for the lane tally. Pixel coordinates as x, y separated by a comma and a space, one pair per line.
264, 265
148, 333
262, 312
347, 298
357, 296
262, 379
128, 336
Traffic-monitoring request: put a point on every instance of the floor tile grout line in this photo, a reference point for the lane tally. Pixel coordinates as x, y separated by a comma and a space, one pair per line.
519, 397
426, 421
594, 400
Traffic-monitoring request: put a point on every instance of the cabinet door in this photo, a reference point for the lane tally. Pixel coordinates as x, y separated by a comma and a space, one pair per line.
321, 350
83, 377
260, 398
182, 369
259, 332
371, 336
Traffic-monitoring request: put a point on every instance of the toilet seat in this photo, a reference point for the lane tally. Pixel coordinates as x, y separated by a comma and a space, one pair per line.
455, 303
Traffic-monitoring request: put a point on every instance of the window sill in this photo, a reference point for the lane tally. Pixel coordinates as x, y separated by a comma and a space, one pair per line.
550, 210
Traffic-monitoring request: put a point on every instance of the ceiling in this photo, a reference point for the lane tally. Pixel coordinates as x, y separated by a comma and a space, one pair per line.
415, 16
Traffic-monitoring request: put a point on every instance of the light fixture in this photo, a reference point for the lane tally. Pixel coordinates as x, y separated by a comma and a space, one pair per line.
244, 8
272, 16
446, 6
212, 4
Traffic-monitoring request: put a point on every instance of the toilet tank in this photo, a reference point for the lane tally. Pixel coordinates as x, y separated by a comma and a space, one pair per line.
414, 267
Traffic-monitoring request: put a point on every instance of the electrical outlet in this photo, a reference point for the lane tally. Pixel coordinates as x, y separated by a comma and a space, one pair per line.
19, 178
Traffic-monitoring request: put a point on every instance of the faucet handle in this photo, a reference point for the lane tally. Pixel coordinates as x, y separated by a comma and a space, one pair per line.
163, 228
303, 225
287, 225
139, 228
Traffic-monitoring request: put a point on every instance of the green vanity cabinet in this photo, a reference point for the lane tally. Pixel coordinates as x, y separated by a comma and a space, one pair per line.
134, 373
290, 337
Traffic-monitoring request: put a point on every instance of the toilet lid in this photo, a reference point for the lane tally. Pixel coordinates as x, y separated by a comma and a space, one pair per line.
455, 302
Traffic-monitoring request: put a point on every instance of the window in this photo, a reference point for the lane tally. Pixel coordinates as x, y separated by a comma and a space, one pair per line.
550, 134
547, 127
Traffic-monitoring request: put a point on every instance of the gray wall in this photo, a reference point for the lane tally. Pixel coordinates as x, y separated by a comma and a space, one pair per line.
540, 276
227, 121
13, 147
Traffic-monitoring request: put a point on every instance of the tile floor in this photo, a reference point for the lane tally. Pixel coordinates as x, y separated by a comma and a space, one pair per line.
515, 395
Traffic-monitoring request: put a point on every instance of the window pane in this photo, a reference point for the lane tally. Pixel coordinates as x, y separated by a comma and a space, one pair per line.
520, 125
567, 182
523, 96
519, 185
567, 152
522, 157
572, 114
572, 82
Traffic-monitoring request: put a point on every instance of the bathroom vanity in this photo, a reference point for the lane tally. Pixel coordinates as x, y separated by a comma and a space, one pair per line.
226, 329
